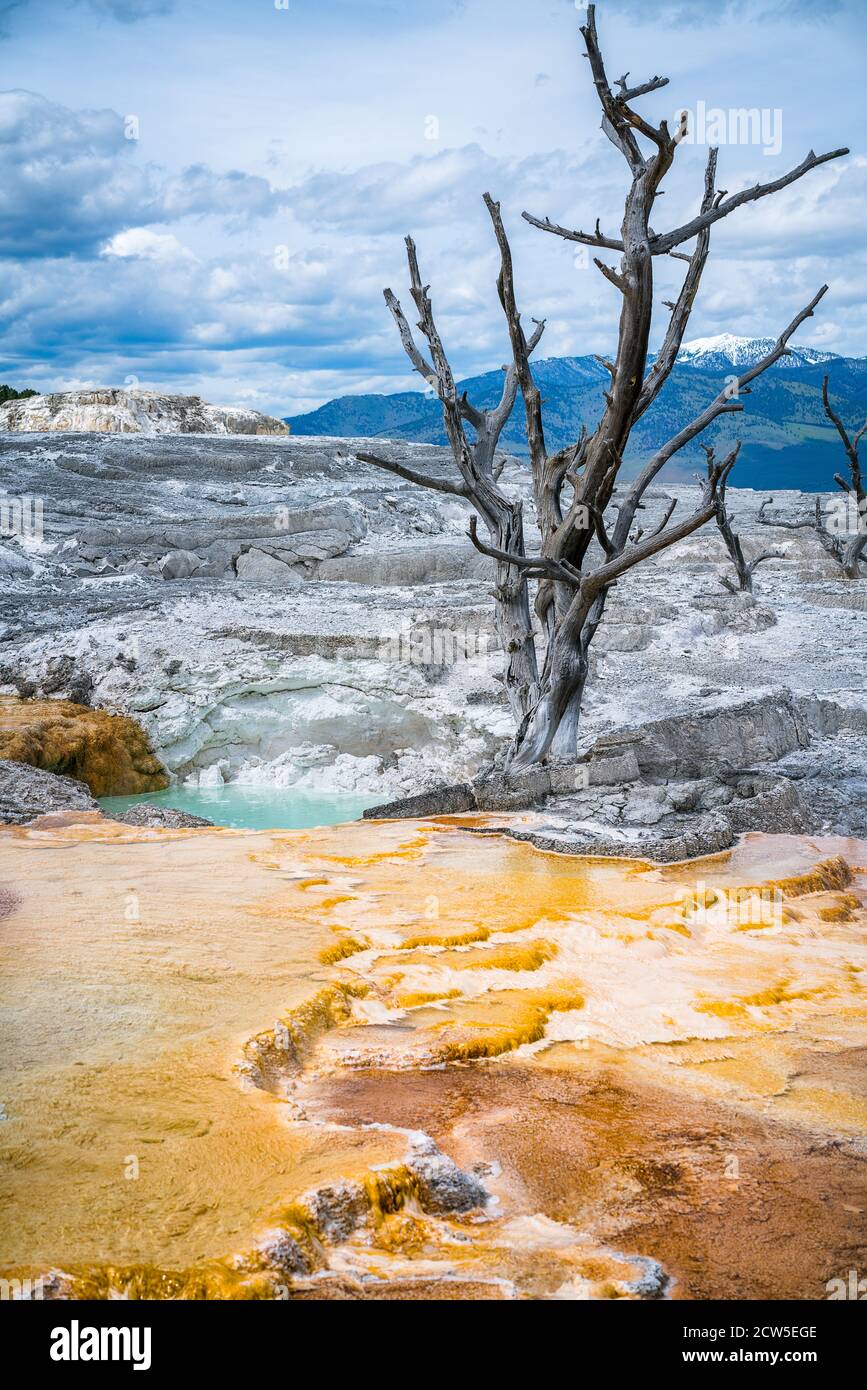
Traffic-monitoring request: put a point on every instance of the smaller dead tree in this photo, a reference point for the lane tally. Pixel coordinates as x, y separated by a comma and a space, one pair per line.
744, 568
479, 481
842, 530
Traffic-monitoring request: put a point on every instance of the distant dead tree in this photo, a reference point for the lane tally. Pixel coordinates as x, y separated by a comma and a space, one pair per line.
843, 530
744, 569
573, 575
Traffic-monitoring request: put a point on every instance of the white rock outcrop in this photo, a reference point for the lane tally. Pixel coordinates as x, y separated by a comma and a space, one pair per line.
112, 410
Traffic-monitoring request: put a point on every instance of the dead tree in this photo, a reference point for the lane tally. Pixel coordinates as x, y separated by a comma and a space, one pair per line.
479, 482
849, 552
842, 531
572, 611
584, 550
745, 569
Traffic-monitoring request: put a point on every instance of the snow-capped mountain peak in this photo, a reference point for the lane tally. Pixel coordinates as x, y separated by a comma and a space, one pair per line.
730, 350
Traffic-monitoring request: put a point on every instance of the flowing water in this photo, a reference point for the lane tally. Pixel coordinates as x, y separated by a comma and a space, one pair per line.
402, 1056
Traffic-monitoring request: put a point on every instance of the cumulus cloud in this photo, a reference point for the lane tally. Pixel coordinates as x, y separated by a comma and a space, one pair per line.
139, 243
237, 196
300, 314
437, 189
69, 179
73, 179
64, 310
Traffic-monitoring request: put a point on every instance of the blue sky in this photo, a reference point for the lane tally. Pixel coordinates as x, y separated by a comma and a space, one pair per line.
209, 195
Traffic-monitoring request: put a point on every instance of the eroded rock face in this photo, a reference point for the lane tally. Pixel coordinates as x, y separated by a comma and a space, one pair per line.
273, 610
110, 753
28, 792
755, 732
673, 789
111, 410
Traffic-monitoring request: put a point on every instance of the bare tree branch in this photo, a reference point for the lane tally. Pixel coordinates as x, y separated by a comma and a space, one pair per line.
658, 540
500, 415
662, 244
667, 355
611, 274
420, 363
615, 113
786, 525
534, 566
599, 526
721, 405
669, 511
745, 569
521, 349
421, 479
627, 94
584, 238
480, 470
850, 445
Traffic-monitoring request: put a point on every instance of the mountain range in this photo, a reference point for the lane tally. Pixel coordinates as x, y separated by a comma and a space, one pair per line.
787, 441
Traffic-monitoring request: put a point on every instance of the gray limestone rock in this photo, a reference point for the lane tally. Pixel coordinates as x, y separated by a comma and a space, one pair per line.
160, 817
257, 567
178, 564
443, 1186
27, 792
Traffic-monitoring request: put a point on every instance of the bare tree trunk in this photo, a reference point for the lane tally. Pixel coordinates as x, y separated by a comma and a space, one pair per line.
852, 556
556, 715
564, 743
513, 622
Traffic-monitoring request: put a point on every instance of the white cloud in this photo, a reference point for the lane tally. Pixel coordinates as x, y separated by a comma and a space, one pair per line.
139, 243
73, 179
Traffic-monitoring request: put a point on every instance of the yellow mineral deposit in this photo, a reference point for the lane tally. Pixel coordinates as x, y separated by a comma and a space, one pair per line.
109, 752
403, 1056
